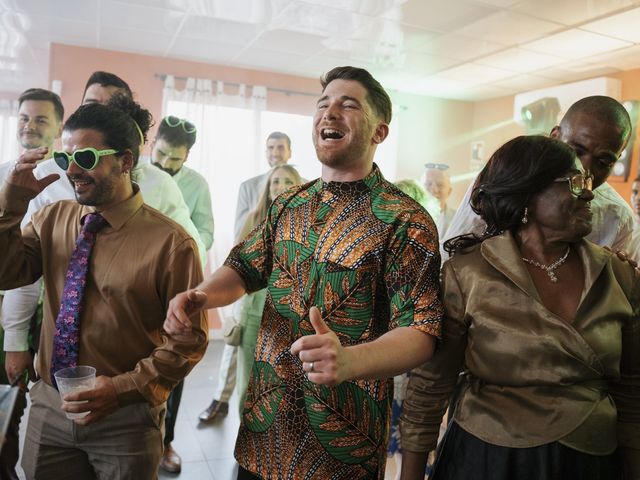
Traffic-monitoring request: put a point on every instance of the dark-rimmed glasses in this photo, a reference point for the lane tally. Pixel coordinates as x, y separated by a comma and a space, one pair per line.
85, 158
578, 183
174, 122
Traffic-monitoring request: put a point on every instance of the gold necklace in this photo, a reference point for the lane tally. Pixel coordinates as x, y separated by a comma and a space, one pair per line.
551, 268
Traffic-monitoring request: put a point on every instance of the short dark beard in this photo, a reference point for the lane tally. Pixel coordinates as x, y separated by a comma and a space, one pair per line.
103, 191
168, 170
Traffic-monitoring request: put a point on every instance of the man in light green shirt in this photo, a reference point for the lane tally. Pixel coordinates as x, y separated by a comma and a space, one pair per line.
169, 152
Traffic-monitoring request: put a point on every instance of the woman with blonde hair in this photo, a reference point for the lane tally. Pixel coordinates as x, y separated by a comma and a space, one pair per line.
281, 178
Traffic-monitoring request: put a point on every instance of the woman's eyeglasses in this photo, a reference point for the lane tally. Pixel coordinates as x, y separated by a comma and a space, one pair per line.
173, 122
85, 158
578, 183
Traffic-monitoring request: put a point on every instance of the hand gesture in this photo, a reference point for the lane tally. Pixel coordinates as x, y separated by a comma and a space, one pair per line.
180, 308
624, 256
22, 175
100, 402
16, 363
322, 356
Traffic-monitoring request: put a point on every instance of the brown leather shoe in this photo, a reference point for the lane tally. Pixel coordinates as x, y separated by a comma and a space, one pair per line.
171, 461
216, 408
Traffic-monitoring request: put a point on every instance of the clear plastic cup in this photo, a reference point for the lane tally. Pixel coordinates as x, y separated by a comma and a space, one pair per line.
75, 379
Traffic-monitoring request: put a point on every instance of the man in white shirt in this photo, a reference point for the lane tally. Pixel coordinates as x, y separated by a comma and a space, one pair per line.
634, 245
40, 115
169, 152
598, 129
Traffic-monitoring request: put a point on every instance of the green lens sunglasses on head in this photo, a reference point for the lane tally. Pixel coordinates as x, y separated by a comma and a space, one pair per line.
85, 158
174, 121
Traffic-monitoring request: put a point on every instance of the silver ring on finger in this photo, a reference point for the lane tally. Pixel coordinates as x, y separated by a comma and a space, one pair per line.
311, 366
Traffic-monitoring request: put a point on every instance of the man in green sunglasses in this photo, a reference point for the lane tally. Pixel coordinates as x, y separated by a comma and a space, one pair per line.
169, 152
105, 299
159, 191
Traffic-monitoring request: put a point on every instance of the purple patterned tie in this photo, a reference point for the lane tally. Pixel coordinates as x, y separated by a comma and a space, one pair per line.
66, 336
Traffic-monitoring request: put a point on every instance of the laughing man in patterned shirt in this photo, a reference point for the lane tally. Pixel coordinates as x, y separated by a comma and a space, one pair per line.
351, 266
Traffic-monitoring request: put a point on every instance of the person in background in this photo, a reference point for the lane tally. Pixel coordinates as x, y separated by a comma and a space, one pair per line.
351, 266
438, 183
101, 86
159, 189
40, 115
394, 449
278, 152
634, 245
430, 203
110, 266
545, 327
280, 179
598, 129
169, 152
635, 199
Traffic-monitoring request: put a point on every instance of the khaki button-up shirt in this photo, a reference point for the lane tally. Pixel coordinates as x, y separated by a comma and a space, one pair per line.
139, 262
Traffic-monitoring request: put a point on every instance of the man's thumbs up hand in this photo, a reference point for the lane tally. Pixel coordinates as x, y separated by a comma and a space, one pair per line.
322, 356
316, 321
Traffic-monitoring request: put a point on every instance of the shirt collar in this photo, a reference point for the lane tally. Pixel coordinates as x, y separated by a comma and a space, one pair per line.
367, 183
120, 213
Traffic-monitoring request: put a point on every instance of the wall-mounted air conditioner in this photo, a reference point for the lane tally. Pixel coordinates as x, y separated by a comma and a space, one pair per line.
539, 110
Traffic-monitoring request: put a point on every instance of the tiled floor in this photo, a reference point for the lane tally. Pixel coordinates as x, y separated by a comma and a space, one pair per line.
206, 449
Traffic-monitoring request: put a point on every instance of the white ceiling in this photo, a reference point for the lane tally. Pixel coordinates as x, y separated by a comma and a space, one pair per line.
462, 49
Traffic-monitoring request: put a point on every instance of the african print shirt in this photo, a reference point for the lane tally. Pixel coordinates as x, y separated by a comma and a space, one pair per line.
367, 256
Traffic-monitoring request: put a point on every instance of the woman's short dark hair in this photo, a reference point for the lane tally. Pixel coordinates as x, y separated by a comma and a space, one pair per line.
123, 123
516, 171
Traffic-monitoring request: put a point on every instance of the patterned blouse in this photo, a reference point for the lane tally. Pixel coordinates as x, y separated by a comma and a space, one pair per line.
367, 256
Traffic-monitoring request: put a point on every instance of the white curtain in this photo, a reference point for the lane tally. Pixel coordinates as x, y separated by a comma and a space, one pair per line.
8, 127
228, 148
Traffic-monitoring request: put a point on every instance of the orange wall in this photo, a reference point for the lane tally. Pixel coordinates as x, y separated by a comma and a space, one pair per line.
630, 91
73, 66
431, 129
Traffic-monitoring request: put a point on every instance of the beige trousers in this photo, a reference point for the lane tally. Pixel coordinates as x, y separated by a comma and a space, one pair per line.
125, 445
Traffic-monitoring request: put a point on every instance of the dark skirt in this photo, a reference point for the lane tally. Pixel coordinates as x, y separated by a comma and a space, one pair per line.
393, 446
464, 456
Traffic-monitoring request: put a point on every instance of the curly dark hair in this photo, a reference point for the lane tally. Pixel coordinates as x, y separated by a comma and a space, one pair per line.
123, 123
516, 171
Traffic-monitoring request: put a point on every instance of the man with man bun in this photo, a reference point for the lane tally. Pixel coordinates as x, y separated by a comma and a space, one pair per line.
110, 265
